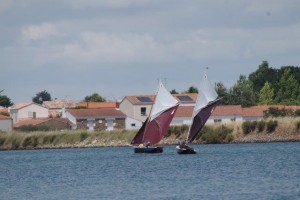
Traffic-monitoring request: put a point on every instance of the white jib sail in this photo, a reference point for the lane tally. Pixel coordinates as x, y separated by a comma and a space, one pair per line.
163, 101
206, 94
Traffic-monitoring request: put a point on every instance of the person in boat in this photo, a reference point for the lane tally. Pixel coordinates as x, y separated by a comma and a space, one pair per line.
147, 144
182, 144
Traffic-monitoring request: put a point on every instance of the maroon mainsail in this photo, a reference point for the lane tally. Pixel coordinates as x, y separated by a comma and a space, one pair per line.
156, 125
200, 119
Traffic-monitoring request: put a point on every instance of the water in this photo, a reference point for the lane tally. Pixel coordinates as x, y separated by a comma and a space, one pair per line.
232, 171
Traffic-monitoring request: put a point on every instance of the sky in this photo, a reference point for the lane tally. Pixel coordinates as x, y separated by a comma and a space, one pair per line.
74, 48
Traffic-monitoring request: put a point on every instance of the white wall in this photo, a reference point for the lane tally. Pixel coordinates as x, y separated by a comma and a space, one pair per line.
129, 121
134, 111
27, 112
224, 119
178, 121
6, 125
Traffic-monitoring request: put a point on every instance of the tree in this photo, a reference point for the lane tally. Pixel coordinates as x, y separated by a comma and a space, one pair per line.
173, 91
94, 98
42, 96
266, 94
263, 74
242, 93
223, 92
289, 89
5, 101
192, 89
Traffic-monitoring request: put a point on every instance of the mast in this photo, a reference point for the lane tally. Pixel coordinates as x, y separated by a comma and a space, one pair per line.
205, 104
161, 115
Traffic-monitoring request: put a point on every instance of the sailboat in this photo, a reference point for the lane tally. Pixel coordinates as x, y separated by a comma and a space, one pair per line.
157, 123
205, 105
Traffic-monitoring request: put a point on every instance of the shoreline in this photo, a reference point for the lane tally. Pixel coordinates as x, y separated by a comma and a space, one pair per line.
247, 139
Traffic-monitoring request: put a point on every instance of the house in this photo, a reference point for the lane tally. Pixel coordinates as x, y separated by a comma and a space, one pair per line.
57, 107
6, 123
51, 123
21, 111
221, 114
97, 105
100, 119
139, 106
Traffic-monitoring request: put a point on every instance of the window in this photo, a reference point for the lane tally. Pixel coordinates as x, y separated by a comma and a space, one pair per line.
133, 125
217, 121
144, 99
143, 111
185, 98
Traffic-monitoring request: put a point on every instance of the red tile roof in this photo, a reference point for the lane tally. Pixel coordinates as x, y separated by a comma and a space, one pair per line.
252, 112
184, 111
37, 121
102, 112
59, 104
21, 105
228, 110
4, 117
134, 98
4, 110
18, 106
97, 104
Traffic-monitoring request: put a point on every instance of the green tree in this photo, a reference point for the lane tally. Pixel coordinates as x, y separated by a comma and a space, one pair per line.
173, 91
94, 98
4, 100
222, 91
42, 96
242, 93
289, 89
192, 89
266, 94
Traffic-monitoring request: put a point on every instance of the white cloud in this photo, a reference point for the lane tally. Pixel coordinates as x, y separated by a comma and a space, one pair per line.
36, 32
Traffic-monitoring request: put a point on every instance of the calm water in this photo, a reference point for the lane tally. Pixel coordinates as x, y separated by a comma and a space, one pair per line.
237, 171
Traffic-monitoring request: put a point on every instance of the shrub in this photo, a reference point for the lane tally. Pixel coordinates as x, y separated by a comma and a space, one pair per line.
260, 126
218, 135
2, 140
49, 139
248, 127
298, 125
31, 128
177, 130
297, 113
271, 126
83, 136
30, 141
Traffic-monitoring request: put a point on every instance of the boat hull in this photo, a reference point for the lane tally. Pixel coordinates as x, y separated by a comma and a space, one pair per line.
148, 149
187, 150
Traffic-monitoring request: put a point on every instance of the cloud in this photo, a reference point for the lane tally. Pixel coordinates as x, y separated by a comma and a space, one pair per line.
4, 5
80, 5
38, 32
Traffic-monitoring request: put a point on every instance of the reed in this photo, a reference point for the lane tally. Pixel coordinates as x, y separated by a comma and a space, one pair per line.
287, 127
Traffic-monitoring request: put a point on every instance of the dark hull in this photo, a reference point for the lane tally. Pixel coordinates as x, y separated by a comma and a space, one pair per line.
187, 150
148, 149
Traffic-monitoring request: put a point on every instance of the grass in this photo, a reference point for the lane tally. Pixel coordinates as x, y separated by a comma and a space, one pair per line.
226, 133
57, 139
